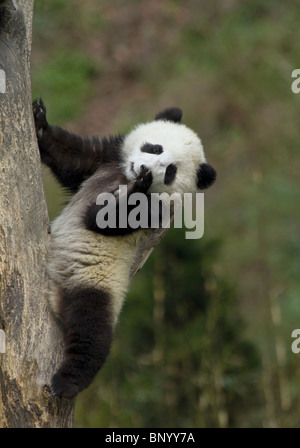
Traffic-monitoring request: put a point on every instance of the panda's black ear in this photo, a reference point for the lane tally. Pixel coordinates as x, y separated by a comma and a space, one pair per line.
206, 175
171, 114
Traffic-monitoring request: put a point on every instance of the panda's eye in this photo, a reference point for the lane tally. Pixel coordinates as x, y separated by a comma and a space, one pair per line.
152, 149
170, 174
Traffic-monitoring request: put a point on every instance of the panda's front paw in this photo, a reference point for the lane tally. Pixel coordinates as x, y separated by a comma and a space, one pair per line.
144, 180
63, 387
39, 114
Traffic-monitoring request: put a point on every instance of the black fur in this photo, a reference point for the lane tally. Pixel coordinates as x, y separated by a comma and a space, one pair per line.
171, 114
152, 149
71, 158
170, 174
87, 318
140, 185
206, 175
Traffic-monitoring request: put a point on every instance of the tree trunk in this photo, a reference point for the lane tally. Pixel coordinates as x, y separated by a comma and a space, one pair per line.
34, 345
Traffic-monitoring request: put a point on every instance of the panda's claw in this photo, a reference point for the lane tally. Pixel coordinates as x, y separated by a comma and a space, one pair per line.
62, 387
39, 115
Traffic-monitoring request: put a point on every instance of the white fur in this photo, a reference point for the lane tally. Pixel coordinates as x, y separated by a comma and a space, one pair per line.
181, 146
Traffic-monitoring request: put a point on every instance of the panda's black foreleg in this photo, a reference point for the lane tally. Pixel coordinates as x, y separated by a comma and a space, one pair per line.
140, 185
86, 317
71, 158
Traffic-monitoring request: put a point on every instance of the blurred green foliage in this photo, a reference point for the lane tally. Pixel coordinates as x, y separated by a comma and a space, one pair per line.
205, 335
66, 78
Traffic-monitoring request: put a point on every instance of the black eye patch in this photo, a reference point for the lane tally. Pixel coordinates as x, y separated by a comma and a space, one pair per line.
152, 149
170, 174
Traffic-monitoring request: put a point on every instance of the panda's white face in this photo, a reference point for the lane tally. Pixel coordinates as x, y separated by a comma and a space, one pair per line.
171, 151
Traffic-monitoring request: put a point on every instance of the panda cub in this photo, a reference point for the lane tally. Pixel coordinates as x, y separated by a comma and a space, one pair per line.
89, 266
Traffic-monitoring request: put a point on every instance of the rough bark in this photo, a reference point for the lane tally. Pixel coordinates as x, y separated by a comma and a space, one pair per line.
34, 345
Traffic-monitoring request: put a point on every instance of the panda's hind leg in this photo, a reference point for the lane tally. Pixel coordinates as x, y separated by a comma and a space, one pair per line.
86, 317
